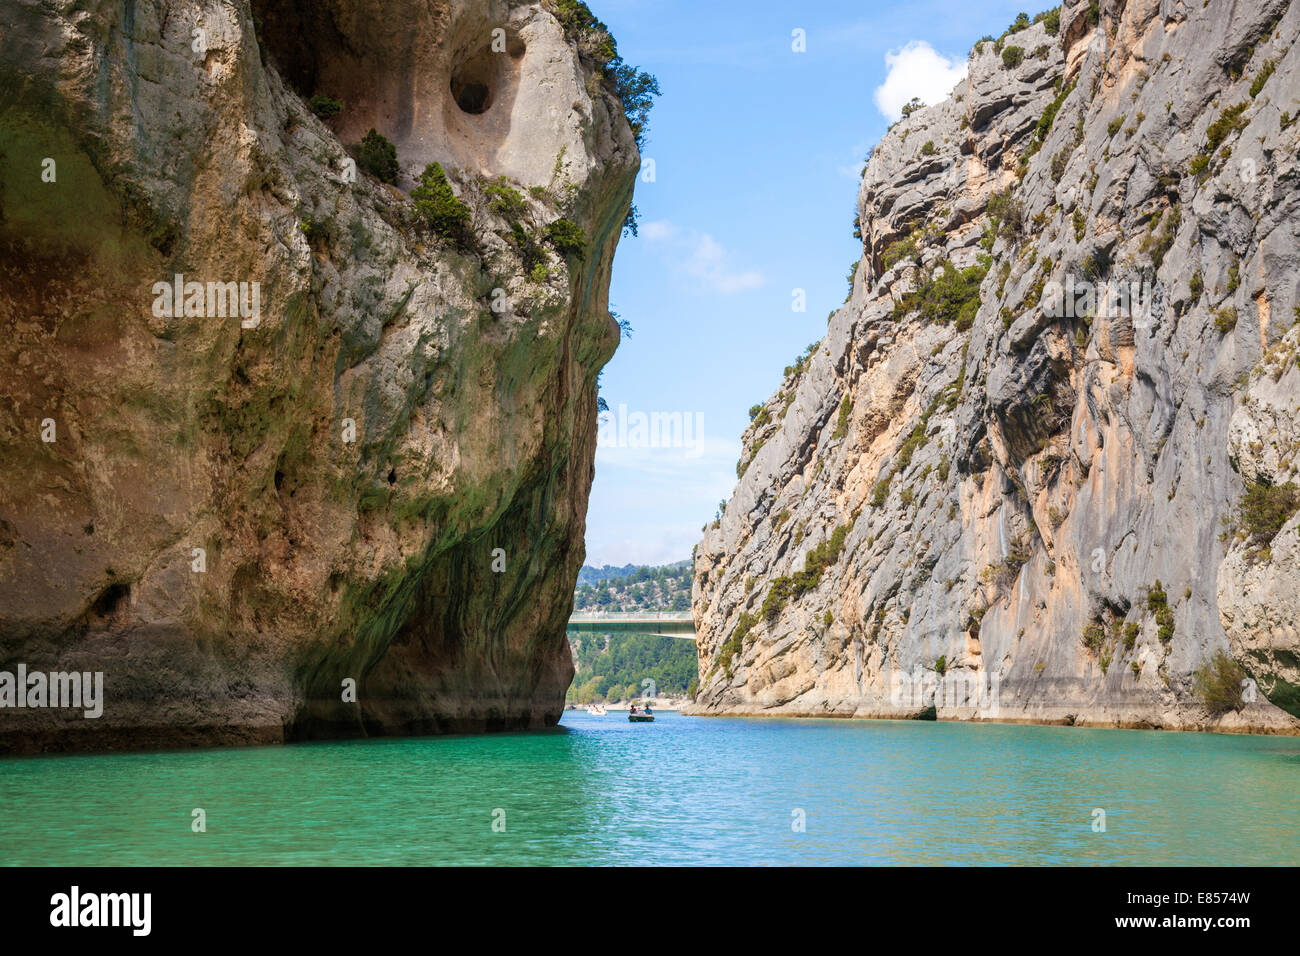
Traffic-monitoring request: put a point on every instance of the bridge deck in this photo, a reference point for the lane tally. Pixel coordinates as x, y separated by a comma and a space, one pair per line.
669, 625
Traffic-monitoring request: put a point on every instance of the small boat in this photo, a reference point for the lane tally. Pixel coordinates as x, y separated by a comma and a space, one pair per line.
640, 717
596, 710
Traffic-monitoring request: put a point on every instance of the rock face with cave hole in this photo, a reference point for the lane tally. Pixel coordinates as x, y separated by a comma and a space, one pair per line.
233, 518
474, 86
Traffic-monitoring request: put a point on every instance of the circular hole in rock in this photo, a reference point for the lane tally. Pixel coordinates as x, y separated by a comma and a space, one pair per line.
471, 96
477, 80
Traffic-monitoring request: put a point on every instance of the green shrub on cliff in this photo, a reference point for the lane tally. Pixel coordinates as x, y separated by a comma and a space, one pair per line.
1265, 72
1013, 56
1261, 513
324, 106
1158, 604
1002, 574
1230, 121
1093, 636
793, 586
1219, 684
946, 294
1131, 631
777, 595
897, 251
1049, 115
438, 206
568, 238
744, 463
505, 200
1006, 215
842, 424
1225, 319
1160, 234
377, 156
801, 363
736, 642
880, 491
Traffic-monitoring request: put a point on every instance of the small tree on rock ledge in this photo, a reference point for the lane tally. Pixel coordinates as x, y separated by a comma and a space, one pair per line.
377, 156
438, 206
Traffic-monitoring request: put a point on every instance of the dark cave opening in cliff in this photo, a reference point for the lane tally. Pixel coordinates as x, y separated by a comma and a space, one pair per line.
472, 98
112, 601
477, 78
297, 36
472, 84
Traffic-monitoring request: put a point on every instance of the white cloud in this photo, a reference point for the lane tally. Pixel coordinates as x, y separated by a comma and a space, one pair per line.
639, 511
858, 154
708, 264
701, 259
916, 71
668, 546
674, 463
657, 230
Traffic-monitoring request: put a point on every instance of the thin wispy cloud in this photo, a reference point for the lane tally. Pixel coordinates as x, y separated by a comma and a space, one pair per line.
678, 464
701, 260
916, 70
636, 512
657, 231
853, 169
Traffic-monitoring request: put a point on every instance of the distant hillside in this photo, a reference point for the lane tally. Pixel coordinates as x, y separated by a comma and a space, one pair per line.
634, 588
590, 575
629, 666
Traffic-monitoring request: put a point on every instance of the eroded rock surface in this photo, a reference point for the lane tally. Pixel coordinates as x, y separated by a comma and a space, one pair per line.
323, 558
970, 486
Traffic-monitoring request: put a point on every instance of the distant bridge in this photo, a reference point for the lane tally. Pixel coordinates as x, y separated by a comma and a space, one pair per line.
668, 625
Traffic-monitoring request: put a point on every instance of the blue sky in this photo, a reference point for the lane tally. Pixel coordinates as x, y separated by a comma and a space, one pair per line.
757, 151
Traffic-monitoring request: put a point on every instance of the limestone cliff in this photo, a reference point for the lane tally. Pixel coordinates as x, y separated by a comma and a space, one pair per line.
1015, 478
234, 518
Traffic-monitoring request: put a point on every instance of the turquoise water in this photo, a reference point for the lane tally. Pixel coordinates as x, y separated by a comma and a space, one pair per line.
598, 790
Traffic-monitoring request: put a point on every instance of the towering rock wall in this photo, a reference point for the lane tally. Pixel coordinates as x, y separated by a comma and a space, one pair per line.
986, 490
234, 518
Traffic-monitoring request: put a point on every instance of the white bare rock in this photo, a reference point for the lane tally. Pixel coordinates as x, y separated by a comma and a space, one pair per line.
1008, 490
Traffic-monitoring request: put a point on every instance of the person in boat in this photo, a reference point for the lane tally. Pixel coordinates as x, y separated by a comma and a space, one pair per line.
647, 708
633, 709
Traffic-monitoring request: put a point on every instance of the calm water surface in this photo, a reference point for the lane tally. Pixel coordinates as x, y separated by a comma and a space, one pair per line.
598, 790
